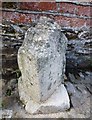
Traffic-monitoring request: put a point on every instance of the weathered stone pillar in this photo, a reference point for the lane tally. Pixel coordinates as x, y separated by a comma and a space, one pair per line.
41, 59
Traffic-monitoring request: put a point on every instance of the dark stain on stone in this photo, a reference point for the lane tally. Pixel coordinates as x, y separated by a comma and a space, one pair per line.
31, 83
41, 94
42, 62
41, 81
29, 58
55, 82
51, 78
48, 45
49, 86
50, 73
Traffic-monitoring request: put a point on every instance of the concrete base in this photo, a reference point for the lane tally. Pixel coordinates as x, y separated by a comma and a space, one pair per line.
58, 102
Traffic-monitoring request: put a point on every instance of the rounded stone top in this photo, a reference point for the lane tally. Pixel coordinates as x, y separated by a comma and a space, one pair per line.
48, 22
44, 36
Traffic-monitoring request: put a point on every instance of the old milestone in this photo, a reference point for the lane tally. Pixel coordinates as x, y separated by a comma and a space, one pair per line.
41, 60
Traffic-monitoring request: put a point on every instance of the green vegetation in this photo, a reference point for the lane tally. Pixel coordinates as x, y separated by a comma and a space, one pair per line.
9, 5
18, 73
8, 92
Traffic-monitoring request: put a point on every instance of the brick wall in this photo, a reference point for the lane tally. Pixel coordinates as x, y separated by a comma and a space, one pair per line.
68, 14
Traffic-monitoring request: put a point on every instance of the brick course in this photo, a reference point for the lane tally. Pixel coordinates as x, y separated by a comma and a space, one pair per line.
70, 14
68, 8
41, 6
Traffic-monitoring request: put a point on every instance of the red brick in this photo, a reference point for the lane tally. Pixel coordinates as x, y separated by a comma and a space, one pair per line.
42, 6
77, 22
84, 10
89, 22
0, 17
79, 10
91, 11
47, 6
14, 17
72, 22
24, 18
47, 1
37, 0
68, 8
0, 4
28, 5
63, 21
19, 17
27, 0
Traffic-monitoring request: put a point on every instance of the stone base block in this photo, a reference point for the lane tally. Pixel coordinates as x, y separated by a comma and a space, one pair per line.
58, 102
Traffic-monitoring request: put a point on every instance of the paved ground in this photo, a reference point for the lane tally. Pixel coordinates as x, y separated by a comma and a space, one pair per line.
79, 91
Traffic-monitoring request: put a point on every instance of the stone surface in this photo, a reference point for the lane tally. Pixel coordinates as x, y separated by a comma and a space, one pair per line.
41, 59
5, 114
50, 105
